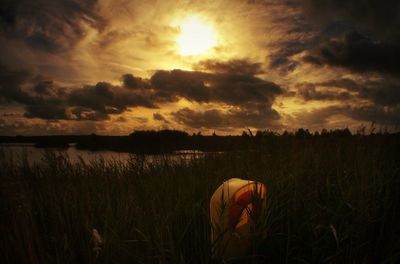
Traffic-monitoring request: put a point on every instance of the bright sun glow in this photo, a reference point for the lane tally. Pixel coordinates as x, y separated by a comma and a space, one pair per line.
196, 37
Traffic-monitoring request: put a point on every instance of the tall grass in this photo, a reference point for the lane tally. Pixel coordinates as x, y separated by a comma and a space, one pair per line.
329, 200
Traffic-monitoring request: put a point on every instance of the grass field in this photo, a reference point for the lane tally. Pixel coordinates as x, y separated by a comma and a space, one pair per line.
329, 200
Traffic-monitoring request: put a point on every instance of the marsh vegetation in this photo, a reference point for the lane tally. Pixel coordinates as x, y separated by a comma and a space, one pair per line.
329, 200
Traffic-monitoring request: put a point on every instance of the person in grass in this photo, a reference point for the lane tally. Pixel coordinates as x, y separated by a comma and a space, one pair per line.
235, 209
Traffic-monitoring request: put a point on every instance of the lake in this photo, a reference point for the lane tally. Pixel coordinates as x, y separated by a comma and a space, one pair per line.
35, 155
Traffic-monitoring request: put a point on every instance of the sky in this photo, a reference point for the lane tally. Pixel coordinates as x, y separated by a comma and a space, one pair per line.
115, 66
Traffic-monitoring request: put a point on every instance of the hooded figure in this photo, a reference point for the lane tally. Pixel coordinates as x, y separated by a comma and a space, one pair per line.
234, 208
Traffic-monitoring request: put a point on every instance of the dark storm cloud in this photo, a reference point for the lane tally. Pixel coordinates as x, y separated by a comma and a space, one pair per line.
99, 101
51, 109
47, 25
238, 89
384, 92
379, 17
359, 35
160, 117
132, 82
42, 98
232, 83
11, 81
237, 66
229, 88
376, 114
359, 53
177, 83
210, 118
44, 87
299, 35
318, 117
370, 114
280, 59
308, 91
214, 118
39, 97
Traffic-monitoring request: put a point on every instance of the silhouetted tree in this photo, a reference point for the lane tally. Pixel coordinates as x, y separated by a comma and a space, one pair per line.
302, 133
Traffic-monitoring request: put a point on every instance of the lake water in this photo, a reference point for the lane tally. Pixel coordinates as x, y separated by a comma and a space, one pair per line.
36, 155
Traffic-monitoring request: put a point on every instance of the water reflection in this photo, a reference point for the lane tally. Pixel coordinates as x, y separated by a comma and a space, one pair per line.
36, 155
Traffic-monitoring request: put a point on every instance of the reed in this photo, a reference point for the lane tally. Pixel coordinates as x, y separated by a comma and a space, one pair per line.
332, 200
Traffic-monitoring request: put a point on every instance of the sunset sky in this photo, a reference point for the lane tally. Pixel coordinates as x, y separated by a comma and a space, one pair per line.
113, 66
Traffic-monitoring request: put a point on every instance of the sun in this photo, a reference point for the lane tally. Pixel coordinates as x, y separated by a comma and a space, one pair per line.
196, 37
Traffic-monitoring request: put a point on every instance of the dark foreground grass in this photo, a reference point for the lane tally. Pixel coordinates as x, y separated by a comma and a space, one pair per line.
330, 200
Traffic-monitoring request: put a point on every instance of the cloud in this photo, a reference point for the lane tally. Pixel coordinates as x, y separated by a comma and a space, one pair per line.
212, 118
378, 114
11, 81
308, 91
44, 87
97, 102
375, 16
170, 85
236, 118
358, 53
318, 117
132, 82
297, 35
384, 92
333, 52
253, 97
160, 117
50, 26
385, 116
39, 97
50, 109
235, 66
281, 60
42, 98
238, 89
229, 88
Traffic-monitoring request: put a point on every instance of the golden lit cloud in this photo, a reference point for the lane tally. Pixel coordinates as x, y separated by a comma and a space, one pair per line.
228, 55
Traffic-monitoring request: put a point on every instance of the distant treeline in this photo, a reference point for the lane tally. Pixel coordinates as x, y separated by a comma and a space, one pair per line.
167, 141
